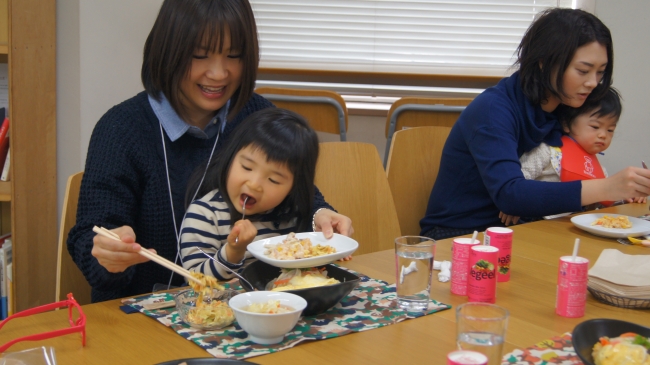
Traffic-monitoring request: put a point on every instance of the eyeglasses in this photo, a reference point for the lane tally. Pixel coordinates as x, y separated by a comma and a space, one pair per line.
77, 324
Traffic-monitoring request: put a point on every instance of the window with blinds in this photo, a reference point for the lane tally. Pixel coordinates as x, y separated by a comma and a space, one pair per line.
454, 37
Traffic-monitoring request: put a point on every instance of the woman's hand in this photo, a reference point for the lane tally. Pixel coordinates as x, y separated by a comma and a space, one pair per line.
508, 219
116, 256
243, 232
328, 222
630, 182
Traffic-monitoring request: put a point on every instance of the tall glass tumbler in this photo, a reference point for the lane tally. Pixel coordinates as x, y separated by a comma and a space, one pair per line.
414, 268
481, 327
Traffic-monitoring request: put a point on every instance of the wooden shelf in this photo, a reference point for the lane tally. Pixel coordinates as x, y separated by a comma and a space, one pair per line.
4, 49
5, 191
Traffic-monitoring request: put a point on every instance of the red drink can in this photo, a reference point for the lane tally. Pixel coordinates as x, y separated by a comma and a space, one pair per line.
482, 280
465, 357
501, 238
460, 264
572, 287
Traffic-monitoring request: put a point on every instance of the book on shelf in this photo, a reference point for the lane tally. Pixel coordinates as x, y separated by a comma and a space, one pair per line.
4, 175
4, 137
10, 289
5, 260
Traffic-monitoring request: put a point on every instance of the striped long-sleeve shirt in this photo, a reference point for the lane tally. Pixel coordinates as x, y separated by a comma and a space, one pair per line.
207, 225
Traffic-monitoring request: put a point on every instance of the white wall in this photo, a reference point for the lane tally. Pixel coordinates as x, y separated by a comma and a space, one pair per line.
628, 22
99, 54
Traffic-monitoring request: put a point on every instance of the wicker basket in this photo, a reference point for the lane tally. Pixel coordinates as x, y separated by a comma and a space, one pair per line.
618, 301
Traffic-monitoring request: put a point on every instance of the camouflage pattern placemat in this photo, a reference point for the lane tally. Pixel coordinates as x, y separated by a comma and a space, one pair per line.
556, 350
370, 305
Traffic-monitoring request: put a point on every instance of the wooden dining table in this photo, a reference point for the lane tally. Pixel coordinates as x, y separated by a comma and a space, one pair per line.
114, 337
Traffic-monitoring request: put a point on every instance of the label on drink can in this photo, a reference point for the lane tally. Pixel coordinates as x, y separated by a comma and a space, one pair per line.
501, 238
482, 280
460, 264
465, 357
572, 277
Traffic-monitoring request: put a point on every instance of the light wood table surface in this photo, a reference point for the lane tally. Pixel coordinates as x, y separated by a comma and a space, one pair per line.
114, 337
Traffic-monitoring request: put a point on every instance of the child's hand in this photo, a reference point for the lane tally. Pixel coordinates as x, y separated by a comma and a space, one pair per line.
642, 200
242, 234
508, 219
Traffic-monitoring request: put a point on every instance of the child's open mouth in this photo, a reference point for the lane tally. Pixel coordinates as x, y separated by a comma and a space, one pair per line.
249, 203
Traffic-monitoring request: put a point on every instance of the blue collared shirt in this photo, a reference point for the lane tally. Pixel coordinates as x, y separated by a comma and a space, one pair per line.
175, 127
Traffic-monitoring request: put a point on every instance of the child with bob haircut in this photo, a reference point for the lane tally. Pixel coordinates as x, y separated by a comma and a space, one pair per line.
199, 69
267, 171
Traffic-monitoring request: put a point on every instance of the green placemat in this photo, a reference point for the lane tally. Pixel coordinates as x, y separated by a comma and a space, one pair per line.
370, 305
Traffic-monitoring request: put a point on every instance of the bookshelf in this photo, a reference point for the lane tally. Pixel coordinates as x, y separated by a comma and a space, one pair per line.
28, 203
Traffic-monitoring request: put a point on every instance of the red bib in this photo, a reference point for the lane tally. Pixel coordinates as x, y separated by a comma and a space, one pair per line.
578, 164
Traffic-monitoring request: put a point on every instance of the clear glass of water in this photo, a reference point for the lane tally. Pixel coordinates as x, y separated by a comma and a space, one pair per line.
414, 264
482, 327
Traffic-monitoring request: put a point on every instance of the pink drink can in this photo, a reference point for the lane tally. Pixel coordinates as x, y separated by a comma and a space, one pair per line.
460, 264
572, 279
464, 357
501, 238
482, 280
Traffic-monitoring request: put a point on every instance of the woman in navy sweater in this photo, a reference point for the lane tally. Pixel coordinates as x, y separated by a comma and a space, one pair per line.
199, 70
564, 57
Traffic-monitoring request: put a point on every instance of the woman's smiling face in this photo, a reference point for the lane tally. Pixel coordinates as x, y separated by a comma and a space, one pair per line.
581, 77
212, 80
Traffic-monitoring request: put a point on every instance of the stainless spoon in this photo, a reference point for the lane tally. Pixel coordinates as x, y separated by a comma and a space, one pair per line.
241, 278
243, 215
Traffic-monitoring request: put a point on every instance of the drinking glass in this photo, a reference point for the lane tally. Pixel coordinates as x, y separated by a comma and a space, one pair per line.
414, 268
482, 327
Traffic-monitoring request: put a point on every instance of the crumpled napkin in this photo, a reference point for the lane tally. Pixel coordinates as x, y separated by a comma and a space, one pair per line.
445, 270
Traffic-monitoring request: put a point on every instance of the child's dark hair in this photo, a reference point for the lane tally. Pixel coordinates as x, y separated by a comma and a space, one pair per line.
547, 48
182, 27
286, 138
608, 106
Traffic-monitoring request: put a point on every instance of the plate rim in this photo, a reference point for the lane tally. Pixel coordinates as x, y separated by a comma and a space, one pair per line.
610, 234
304, 263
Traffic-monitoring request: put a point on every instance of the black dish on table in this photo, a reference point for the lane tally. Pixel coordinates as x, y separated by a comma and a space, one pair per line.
588, 333
319, 299
205, 361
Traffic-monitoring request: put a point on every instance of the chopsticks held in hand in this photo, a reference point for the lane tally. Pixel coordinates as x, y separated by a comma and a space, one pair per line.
150, 255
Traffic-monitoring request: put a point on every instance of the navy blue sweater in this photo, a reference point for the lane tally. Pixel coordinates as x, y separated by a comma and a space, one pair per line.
480, 173
125, 183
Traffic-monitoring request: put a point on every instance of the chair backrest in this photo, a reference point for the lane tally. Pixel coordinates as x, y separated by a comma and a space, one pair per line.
352, 179
412, 169
324, 110
409, 112
69, 278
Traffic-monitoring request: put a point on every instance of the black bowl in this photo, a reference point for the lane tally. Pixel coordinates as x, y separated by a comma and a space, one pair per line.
587, 334
319, 299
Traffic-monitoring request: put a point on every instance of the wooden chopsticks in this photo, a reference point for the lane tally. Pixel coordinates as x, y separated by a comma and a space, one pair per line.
150, 255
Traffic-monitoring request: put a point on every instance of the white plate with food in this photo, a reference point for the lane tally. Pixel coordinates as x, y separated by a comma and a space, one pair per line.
296, 253
592, 224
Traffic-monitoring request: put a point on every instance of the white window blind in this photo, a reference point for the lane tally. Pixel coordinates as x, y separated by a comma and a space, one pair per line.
425, 37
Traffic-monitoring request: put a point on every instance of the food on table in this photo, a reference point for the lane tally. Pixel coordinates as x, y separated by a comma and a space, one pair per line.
270, 307
208, 313
607, 221
292, 248
627, 349
301, 279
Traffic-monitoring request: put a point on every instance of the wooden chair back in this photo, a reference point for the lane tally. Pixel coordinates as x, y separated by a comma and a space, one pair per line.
412, 168
69, 278
410, 112
324, 110
352, 179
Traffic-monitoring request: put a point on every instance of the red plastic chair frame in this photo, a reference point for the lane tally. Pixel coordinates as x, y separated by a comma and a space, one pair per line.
78, 325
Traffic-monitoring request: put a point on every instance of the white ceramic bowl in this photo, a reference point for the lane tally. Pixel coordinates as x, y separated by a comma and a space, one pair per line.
262, 328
